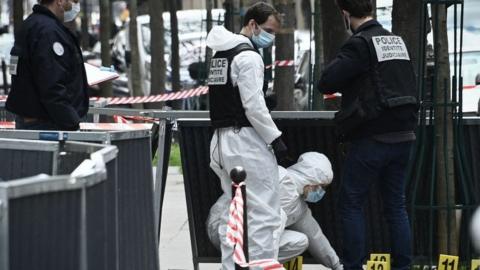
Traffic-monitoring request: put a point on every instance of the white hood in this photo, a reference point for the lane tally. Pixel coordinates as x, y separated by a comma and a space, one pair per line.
220, 39
312, 168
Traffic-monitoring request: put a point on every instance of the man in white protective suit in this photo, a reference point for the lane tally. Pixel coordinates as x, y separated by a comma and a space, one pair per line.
245, 134
301, 182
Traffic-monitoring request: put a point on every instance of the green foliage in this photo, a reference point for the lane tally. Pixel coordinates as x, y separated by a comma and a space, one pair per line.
175, 158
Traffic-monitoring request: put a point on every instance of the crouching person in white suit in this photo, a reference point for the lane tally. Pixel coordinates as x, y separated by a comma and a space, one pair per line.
291, 244
301, 182
306, 181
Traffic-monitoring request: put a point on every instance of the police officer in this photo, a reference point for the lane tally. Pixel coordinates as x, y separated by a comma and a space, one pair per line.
49, 83
377, 117
244, 129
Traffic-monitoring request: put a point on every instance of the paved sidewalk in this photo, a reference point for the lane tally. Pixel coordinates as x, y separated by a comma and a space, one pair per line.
175, 246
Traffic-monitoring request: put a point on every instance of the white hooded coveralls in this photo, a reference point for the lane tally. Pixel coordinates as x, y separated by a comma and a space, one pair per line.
248, 147
312, 168
291, 245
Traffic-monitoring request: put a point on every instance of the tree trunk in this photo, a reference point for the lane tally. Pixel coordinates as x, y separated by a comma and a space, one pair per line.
85, 24
158, 65
447, 229
229, 10
306, 8
135, 76
335, 34
208, 55
283, 83
374, 5
319, 56
105, 24
17, 15
175, 53
405, 23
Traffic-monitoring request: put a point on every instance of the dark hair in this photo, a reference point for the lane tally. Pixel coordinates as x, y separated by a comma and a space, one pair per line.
260, 13
45, 2
356, 8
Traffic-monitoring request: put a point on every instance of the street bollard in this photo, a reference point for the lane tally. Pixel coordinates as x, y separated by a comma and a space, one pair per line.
238, 175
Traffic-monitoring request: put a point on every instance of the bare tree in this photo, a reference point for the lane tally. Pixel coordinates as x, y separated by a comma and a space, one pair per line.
17, 15
335, 34
158, 65
105, 24
85, 24
447, 226
283, 84
319, 57
229, 10
405, 22
175, 54
135, 76
209, 6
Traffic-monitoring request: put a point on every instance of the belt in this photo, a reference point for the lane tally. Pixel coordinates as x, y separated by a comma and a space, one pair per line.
30, 119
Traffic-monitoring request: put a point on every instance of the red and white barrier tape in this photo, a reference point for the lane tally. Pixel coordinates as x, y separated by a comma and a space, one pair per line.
281, 63
129, 119
202, 90
235, 234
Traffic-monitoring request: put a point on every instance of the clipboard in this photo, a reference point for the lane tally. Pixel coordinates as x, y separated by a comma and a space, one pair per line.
95, 75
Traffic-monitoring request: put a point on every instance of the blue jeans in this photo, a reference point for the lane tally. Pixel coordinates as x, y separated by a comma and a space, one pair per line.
369, 161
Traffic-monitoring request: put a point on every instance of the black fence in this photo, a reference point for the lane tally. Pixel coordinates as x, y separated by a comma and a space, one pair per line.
48, 219
202, 186
131, 226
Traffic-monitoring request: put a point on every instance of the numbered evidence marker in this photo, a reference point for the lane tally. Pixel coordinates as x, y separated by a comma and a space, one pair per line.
381, 257
294, 264
447, 262
377, 265
475, 265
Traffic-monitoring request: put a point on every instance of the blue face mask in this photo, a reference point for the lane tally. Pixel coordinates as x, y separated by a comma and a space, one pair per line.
315, 195
264, 39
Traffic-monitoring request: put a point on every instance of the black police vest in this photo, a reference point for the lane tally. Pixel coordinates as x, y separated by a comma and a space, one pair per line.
226, 109
389, 86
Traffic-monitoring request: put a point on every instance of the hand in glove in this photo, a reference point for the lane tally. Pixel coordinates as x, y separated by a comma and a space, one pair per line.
280, 151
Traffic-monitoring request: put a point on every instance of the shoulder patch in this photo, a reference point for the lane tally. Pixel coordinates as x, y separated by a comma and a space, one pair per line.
218, 74
390, 48
58, 48
13, 64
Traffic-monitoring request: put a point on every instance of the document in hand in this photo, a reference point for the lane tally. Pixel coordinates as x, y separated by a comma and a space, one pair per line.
95, 75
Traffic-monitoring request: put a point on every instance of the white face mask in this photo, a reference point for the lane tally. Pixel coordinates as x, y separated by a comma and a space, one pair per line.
71, 14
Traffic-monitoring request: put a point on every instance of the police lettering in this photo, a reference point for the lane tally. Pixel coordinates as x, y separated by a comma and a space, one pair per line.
219, 63
388, 40
390, 48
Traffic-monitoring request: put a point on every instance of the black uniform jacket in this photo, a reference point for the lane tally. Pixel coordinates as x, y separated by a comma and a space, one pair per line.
49, 82
349, 72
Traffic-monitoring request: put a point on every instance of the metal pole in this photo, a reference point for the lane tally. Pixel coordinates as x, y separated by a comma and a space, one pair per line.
238, 175
4, 74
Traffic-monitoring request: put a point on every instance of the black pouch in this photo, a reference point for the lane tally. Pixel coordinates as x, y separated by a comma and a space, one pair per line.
349, 119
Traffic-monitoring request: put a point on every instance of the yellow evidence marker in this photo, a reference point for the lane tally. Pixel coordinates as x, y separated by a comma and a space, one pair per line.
475, 264
447, 262
381, 257
377, 265
294, 264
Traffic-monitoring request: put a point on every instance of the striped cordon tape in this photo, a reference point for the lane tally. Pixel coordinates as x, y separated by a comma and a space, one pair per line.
235, 234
